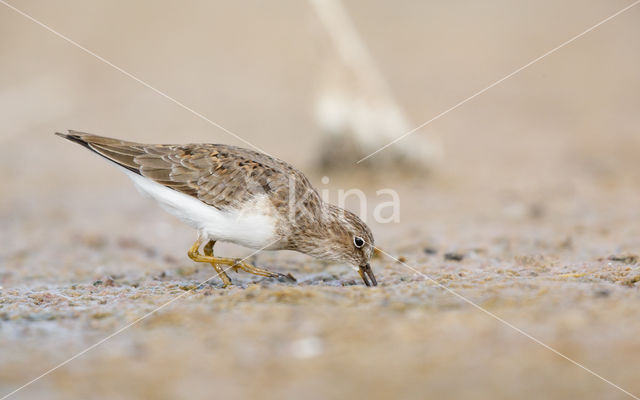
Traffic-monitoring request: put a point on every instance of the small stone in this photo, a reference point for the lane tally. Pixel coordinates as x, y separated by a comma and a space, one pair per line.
101, 315
631, 281
625, 258
454, 256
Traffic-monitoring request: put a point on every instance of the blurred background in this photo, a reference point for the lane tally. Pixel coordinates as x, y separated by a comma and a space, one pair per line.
524, 199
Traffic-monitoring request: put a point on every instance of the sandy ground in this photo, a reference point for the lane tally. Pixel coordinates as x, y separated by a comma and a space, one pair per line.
533, 216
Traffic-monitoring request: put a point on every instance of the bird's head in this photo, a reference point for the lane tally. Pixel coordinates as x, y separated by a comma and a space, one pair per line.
347, 239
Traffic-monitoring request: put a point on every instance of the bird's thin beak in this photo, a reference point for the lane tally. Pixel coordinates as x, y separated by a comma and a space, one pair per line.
367, 275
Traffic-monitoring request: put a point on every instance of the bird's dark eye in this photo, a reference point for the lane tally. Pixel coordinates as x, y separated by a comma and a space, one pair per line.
358, 241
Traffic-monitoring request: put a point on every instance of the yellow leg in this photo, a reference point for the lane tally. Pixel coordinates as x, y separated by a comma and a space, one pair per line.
263, 272
234, 263
208, 251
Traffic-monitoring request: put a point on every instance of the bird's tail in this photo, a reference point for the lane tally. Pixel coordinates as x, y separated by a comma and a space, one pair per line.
114, 150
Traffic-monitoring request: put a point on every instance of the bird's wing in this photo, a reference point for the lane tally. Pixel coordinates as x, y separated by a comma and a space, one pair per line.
218, 175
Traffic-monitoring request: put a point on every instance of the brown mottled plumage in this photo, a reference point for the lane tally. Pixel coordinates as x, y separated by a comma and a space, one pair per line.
239, 182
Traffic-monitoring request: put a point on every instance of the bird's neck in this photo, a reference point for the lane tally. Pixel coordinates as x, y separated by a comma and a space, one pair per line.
314, 235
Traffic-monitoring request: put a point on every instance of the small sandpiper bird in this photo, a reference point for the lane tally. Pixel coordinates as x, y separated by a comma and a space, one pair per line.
241, 196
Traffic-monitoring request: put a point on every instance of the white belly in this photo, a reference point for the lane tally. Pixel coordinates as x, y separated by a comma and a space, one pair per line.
252, 226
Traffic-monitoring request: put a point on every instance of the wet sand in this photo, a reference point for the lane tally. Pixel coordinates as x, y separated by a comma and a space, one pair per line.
533, 216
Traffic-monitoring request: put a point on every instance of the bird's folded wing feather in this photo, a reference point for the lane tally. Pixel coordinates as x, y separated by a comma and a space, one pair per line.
219, 175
